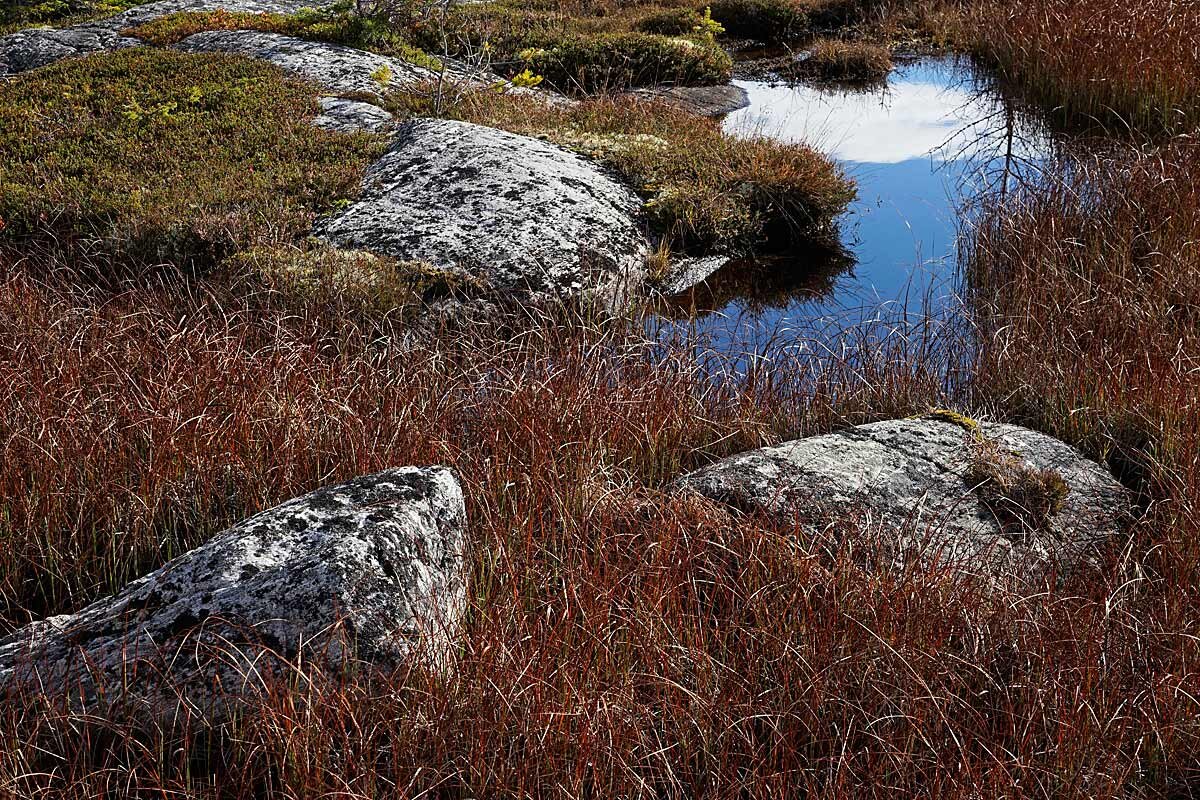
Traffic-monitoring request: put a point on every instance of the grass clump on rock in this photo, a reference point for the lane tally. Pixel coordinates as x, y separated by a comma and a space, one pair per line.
1023, 498
154, 157
835, 60
705, 189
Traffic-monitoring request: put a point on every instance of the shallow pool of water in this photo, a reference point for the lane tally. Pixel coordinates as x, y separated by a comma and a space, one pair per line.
917, 148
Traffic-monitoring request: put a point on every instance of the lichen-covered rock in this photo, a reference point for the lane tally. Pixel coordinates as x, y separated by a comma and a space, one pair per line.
341, 69
909, 484
705, 101
37, 47
351, 116
522, 216
370, 569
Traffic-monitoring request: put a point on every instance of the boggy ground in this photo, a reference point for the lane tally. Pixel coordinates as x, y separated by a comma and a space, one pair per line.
620, 641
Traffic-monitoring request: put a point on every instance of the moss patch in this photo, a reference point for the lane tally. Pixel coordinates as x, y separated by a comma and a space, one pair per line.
968, 424
705, 190
340, 26
356, 278
164, 157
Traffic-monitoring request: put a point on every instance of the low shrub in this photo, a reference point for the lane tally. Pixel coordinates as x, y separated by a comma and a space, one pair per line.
164, 157
623, 60
583, 54
762, 20
706, 189
671, 22
846, 61
18, 14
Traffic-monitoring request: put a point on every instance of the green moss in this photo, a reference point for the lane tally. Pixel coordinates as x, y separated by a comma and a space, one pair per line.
338, 25
705, 190
163, 157
968, 424
18, 14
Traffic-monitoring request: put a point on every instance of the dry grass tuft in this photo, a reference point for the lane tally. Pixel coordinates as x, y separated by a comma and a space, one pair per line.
845, 61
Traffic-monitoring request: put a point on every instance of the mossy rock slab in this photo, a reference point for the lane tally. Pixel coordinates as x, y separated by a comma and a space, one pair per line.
38, 47
906, 489
521, 216
341, 69
705, 101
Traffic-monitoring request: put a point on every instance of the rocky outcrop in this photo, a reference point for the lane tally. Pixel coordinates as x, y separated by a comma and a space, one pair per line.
706, 101
37, 47
519, 215
369, 569
910, 488
351, 116
341, 69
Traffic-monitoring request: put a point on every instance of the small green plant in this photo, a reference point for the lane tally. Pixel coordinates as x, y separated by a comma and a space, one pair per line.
382, 75
526, 79
708, 28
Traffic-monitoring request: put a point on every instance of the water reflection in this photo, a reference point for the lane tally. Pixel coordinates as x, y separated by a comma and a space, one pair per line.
917, 149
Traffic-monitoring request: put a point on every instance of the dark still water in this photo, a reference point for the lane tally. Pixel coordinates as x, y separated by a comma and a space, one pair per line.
918, 149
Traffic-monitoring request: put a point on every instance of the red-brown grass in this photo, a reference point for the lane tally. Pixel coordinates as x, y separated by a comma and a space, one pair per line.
620, 643
1097, 61
1086, 290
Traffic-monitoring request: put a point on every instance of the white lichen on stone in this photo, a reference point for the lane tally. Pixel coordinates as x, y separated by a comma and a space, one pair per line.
905, 480
369, 570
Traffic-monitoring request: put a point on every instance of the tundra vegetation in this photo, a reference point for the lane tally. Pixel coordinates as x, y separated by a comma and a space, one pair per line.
621, 640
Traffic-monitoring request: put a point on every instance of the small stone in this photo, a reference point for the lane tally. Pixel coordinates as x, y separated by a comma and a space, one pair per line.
351, 116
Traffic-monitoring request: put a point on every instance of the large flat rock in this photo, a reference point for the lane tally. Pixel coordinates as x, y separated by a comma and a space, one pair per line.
522, 216
341, 69
369, 569
909, 485
37, 47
